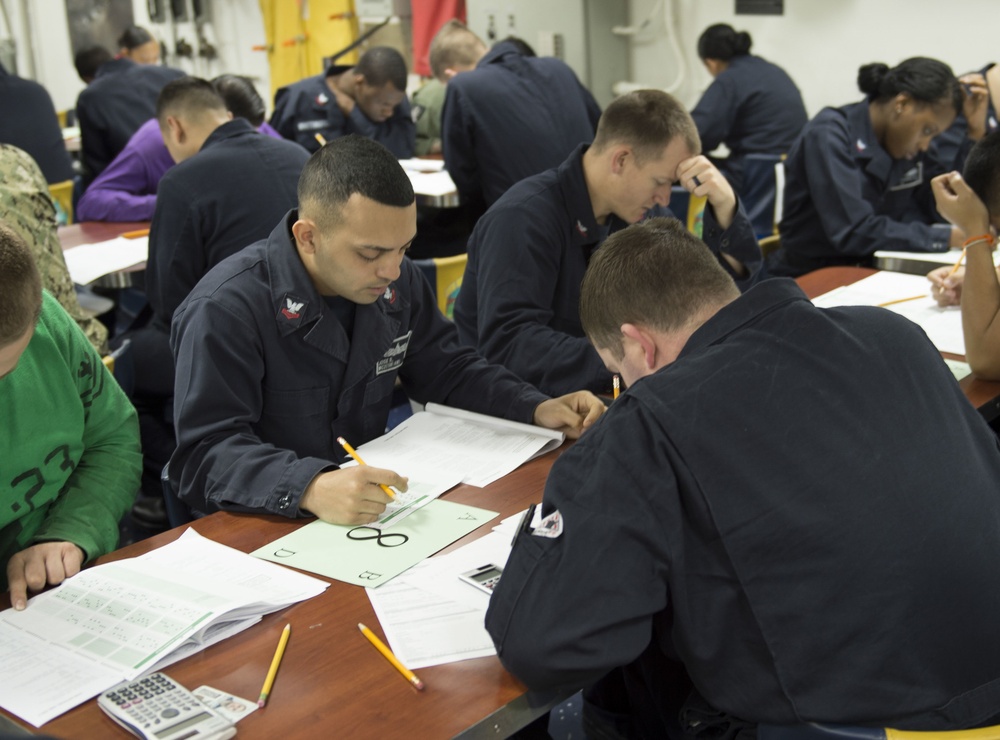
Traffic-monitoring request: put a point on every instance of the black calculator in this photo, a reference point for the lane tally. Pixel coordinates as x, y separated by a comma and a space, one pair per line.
158, 708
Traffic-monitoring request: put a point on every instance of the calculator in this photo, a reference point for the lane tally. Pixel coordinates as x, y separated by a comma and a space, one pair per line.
158, 708
485, 577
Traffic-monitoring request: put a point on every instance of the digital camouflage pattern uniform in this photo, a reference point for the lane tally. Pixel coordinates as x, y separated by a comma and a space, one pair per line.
25, 206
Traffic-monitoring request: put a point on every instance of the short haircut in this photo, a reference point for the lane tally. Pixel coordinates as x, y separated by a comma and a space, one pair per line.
20, 286
925, 80
348, 165
383, 64
187, 96
133, 37
241, 97
454, 45
982, 171
654, 273
88, 60
647, 121
723, 42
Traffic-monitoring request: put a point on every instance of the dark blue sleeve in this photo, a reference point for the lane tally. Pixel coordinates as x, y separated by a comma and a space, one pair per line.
440, 369
739, 241
283, 117
548, 628
520, 271
847, 218
457, 131
715, 114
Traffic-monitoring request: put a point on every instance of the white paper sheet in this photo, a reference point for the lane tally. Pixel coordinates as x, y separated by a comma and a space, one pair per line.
480, 449
942, 325
88, 262
432, 183
422, 165
120, 620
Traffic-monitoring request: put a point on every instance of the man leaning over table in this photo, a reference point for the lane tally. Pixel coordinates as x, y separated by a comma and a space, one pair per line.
69, 441
790, 515
299, 339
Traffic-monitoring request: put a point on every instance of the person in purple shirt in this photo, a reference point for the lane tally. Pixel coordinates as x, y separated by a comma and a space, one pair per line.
126, 190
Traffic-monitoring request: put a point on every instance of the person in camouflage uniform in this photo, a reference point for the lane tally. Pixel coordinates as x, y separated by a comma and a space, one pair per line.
25, 206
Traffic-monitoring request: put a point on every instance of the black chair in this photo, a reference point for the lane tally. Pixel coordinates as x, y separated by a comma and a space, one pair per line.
178, 513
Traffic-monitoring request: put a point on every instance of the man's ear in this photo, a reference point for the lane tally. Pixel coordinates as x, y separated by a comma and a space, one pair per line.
176, 128
640, 341
620, 156
304, 231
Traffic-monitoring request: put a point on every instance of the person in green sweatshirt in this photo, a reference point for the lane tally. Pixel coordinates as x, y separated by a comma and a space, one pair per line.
69, 439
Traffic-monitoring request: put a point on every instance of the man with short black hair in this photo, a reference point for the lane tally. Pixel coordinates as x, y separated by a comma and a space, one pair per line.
69, 445
520, 295
791, 510
299, 339
368, 99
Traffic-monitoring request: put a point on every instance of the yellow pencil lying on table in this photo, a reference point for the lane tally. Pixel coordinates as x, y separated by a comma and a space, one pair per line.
387, 653
279, 653
903, 300
357, 458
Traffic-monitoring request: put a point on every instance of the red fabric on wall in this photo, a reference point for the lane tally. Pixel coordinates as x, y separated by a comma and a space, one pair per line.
428, 17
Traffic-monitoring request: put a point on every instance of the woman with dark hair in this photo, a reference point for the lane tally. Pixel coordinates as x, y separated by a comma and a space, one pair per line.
138, 44
752, 106
858, 179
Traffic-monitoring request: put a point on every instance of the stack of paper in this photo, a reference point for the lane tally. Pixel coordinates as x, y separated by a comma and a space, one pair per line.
88, 262
120, 620
431, 617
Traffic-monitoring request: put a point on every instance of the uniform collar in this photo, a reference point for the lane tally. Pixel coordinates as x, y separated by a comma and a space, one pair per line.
497, 53
864, 144
114, 66
763, 298
583, 227
297, 304
228, 130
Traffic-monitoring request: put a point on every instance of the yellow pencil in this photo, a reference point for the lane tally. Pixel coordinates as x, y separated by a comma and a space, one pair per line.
275, 662
902, 300
617, 385
135, 234
357, 458
387, 653
957, 264
320, 139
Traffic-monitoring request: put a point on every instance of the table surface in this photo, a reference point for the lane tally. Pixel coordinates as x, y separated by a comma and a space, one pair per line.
91, 232
984, 394
332, 682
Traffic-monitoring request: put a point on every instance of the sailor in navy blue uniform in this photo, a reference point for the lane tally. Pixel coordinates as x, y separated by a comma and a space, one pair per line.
839, 567
368, 99
110, 109
519, 303
299, 339
29, 122
949, 146
511, 117
752, 105
858, 179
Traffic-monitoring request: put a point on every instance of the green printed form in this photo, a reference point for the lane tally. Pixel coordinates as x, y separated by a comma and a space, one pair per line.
366, 556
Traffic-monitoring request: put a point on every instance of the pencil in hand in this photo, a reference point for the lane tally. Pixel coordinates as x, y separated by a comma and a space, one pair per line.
357, 458
387, 653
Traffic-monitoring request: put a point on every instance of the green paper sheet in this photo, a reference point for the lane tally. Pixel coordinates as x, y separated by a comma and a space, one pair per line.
328, 549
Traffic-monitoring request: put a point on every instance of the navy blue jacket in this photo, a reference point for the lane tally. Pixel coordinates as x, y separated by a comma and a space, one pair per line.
230, 194
845, 197
520, 297
110, 109
510, 118
267, 378
802, 508
753, 107
307, 108
29, 122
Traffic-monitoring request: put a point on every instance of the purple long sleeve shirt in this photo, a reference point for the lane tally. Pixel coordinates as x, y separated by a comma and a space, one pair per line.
126, 189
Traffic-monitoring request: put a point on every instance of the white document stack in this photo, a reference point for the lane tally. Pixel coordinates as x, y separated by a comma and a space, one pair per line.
120, 620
